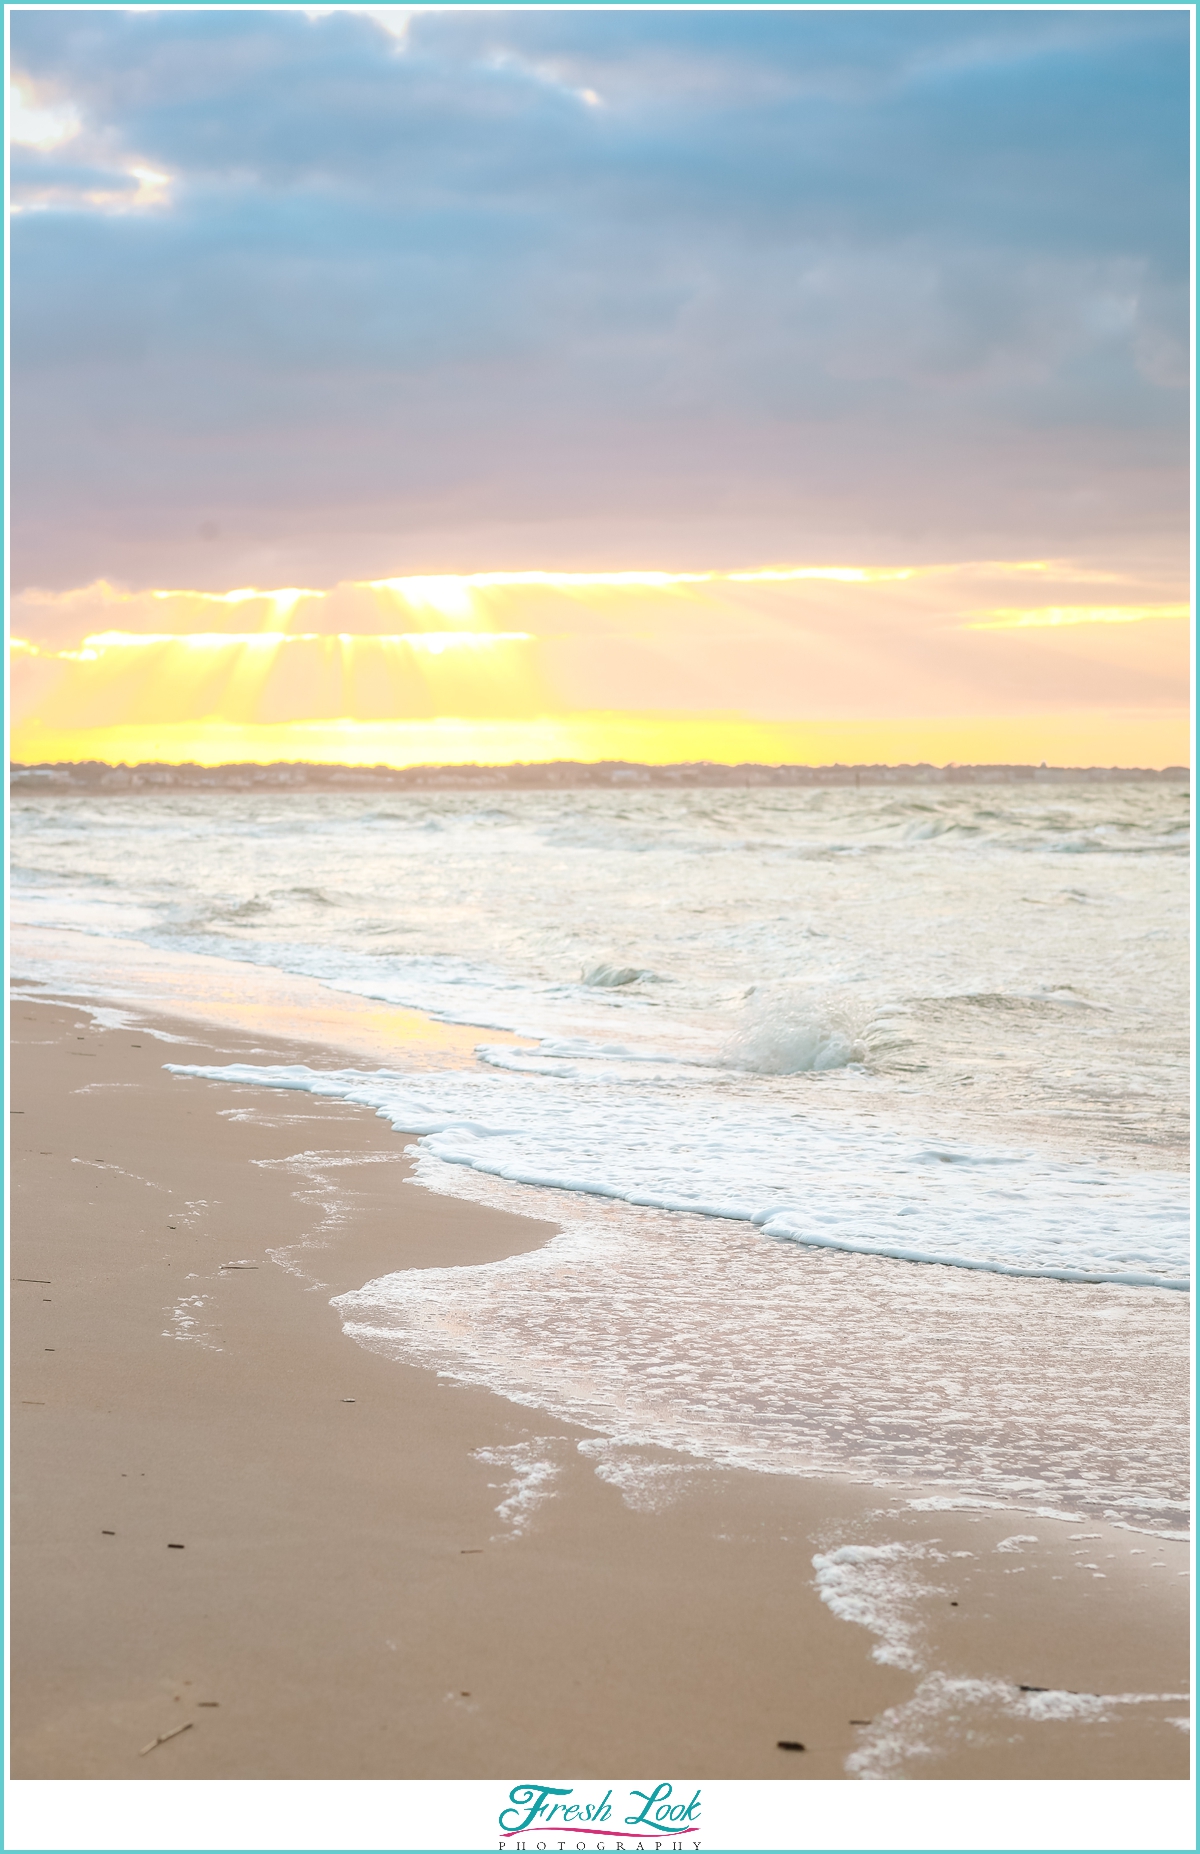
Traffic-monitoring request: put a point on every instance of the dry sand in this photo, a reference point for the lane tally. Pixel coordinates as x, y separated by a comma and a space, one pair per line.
347, 1602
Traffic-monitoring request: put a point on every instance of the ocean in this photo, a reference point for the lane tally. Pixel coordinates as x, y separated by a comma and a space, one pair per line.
862, 1112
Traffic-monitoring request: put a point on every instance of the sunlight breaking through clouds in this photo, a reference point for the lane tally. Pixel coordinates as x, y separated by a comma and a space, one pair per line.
34, 125
433, 643
751, 661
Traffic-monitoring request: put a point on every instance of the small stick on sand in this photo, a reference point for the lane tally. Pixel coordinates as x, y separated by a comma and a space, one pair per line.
163, 1737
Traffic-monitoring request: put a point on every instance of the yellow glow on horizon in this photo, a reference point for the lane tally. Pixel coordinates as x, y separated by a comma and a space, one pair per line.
783, 662
1045, 617
1152, 739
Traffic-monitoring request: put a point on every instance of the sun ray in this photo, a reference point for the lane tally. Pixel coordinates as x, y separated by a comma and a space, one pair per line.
544, 663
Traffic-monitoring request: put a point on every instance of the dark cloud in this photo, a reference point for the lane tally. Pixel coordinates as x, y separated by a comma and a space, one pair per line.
580, 283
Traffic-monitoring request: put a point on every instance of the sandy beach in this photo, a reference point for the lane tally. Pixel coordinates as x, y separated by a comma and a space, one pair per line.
228, 1516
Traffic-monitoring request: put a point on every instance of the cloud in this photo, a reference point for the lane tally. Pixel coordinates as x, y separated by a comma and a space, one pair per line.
597, 288
32, 127
1048, 617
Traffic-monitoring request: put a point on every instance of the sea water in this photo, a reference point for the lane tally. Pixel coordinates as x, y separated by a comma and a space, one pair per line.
820, 1085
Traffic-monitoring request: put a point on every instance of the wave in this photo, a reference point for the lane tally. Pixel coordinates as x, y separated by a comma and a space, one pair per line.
779, 1036
613, 978
655, 1141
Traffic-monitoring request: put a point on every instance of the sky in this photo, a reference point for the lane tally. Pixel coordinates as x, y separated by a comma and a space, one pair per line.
404, 384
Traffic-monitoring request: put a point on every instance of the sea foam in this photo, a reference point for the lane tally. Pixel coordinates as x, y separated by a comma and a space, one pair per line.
795, 1173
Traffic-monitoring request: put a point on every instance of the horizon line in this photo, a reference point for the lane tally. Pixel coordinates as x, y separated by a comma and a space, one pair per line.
649, 767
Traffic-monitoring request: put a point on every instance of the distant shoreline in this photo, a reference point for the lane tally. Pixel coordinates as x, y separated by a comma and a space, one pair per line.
96, 775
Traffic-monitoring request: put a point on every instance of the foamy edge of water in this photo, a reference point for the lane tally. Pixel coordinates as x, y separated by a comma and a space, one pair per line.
356, 1087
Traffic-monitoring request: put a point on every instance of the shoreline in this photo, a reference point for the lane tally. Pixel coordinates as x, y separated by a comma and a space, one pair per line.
431, 1581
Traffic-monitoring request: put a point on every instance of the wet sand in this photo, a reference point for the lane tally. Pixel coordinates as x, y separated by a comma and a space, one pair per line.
230, 1517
